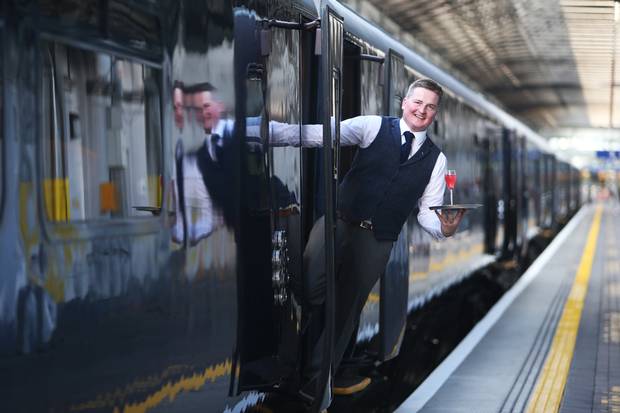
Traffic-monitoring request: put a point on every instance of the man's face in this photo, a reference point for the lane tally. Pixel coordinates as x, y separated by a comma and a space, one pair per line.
209, 110
177, 98
420, 108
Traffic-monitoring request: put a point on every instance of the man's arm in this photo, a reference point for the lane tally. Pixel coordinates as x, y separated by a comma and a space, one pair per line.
439, 226
357, 131
433, 195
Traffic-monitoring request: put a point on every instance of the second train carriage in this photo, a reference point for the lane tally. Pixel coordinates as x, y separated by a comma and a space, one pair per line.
130, 282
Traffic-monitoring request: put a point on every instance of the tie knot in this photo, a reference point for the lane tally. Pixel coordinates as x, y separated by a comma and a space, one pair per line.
215, 138
408, 136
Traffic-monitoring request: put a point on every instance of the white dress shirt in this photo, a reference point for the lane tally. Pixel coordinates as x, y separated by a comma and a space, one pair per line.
362, 131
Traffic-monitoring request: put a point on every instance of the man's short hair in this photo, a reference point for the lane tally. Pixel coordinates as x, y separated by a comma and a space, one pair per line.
178, 85
200, 87
426, 84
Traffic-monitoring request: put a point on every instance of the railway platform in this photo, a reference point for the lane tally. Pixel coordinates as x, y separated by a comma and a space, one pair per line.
552, 343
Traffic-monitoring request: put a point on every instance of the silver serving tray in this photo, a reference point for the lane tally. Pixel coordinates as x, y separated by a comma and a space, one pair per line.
455, 207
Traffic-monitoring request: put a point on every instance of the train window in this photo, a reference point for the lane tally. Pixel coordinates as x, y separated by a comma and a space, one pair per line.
397, 83
371, 92
283, 94
101, 143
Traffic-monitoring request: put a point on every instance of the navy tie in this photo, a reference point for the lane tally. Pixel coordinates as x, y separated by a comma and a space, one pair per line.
405, 148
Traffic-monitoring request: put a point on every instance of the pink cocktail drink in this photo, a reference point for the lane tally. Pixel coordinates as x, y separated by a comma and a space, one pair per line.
451, 181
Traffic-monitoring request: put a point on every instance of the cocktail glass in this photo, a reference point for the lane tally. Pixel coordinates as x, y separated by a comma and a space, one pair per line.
451, 182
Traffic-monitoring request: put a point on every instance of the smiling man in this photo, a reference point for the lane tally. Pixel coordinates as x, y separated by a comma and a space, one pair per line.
396, 170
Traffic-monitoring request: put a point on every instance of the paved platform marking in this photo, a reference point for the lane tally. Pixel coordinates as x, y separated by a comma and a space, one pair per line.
612, 400
416, 401
550, 385
612, 267
613, 289
611, 332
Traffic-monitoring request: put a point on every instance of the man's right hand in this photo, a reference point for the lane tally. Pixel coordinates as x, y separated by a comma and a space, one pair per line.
450, 222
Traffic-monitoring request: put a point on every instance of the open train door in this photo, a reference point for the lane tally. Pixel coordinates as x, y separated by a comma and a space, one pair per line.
510, 174
523, 196
269, 235
332, 36
270, 248
395, 280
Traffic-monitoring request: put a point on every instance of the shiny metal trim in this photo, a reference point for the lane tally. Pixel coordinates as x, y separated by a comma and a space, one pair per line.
293, 25
95, 44
371, 58
279, 264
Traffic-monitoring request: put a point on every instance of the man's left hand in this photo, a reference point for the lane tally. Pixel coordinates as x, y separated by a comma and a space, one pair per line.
450, 222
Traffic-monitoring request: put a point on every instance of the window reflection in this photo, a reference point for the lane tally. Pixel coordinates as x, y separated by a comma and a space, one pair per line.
204, 198
372, 92
101, 136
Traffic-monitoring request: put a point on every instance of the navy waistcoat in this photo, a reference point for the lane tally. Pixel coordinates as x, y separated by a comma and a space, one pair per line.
380, 188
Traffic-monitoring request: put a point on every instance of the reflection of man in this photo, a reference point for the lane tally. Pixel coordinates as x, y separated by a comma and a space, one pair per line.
396, 170
206, 166
178, 105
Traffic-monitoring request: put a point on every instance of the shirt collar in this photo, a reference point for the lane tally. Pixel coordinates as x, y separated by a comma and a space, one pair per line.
420, 137
219, 128
222, 126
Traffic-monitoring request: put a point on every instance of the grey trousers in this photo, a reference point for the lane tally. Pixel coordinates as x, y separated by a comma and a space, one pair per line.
360, 260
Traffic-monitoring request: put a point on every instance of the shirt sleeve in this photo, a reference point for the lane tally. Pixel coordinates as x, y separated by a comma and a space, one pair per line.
357, 131
360, 130
433, 195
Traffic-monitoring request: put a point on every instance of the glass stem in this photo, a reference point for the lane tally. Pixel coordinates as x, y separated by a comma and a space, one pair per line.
451, 201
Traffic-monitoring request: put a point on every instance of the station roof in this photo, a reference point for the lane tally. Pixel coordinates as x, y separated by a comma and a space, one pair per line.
551, 63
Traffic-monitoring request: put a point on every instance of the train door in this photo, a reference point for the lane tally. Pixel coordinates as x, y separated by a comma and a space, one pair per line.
554, 191
522, 195
269, 83
332, 52
272, 64
563, 191
363, 95
544, 192
509, 193
535, 186
576, 184
488, 205
283, 104
395, 281
493, 177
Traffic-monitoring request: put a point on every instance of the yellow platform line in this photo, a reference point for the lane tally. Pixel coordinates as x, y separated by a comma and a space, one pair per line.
550, 385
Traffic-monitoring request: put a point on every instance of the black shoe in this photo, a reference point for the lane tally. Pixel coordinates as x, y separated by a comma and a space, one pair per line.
350, 384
